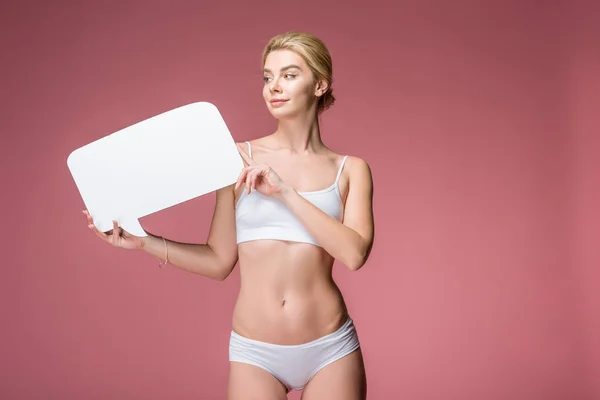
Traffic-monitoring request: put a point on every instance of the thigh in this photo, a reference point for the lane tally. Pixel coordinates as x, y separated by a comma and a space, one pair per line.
249, 382
342, 379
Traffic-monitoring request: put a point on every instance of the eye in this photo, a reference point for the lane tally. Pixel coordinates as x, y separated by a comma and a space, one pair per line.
290, 75
266, 78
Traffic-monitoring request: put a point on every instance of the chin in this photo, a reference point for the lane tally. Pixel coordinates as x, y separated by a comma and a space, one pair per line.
281, 113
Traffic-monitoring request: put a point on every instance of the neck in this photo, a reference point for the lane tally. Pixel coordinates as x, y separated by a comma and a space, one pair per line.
301, 135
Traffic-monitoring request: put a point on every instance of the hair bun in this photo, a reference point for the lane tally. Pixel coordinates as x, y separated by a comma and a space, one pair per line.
326, 101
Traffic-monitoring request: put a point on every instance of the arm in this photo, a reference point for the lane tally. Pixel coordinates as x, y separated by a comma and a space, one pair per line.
215, 259
349, 242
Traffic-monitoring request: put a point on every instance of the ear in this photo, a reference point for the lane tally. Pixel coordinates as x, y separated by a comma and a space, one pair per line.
321, 88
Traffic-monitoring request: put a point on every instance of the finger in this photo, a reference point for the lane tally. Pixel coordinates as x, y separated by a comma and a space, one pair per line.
241, 178
91, 225
249, 179
88, 216
254, 178
116, 233
98, 232
249, 161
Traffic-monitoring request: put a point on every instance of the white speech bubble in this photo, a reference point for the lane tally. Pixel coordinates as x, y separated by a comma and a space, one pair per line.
155, 164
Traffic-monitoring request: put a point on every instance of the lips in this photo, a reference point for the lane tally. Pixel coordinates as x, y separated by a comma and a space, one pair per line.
277, 101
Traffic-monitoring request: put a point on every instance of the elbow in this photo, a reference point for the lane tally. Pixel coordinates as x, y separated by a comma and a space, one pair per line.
355, 265
223, 271
357, 261
221, 275
220, 266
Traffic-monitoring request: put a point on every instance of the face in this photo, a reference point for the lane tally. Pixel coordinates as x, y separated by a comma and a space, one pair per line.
290, 87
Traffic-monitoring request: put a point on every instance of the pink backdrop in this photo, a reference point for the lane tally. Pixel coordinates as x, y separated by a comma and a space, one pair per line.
480, 125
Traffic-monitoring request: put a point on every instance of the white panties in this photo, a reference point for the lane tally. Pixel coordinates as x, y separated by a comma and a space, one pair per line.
295, 365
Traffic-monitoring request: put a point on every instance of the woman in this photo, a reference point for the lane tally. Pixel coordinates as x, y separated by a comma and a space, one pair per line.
295, 208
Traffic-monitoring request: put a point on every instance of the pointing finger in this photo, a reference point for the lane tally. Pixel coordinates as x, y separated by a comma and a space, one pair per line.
241, 178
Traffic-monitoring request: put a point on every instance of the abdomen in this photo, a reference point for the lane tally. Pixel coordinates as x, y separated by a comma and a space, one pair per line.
287, 293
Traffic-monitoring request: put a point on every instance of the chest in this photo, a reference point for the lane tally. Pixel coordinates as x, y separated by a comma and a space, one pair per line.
305, 174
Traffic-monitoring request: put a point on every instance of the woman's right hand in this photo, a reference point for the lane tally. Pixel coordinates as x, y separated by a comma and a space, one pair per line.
118, 237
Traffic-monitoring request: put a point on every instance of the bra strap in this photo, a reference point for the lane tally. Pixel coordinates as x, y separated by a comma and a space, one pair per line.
249, 149
337, 178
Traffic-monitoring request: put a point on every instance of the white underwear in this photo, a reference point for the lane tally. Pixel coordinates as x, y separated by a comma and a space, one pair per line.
295, 365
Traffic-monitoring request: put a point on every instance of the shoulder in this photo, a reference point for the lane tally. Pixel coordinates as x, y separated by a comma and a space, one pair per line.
357, 176
259, 141
259, 144
358, 168
244, 144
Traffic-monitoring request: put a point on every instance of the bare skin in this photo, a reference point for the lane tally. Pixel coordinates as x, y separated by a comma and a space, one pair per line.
287, 293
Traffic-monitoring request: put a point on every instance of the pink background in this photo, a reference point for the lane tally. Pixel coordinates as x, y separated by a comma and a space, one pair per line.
479, 120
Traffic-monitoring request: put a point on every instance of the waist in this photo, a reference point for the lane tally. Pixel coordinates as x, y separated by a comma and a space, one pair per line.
284, 329
293, 316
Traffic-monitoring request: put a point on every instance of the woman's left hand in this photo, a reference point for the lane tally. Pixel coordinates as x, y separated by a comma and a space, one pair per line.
260, 177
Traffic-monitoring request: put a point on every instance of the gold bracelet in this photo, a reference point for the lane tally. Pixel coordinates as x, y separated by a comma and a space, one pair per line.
166, 254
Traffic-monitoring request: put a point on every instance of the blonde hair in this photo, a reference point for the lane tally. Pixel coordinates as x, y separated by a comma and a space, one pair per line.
315, 54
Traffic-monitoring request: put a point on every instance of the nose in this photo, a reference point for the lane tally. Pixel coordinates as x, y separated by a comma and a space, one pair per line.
274, 86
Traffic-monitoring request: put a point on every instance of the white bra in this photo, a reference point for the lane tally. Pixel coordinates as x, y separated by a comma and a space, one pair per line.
263, 217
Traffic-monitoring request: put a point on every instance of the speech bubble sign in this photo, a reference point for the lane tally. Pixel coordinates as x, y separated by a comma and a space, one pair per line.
154, 164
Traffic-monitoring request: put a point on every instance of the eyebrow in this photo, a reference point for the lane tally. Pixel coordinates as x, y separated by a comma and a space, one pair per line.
284, 68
